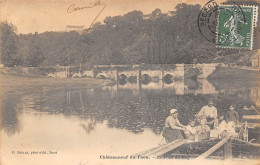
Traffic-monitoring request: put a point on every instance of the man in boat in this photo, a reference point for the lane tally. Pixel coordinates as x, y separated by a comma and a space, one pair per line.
172, 127
210, 112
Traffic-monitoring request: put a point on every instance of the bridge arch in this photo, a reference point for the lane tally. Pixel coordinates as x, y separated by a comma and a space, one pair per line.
168, 78
122, 81
132, 79
101, 76
128, 73
122, 77
146, 79
153, 74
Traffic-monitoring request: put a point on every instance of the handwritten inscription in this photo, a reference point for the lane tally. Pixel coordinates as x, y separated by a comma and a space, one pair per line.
73, 7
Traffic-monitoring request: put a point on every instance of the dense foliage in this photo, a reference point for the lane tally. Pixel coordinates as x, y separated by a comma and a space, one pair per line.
133, 38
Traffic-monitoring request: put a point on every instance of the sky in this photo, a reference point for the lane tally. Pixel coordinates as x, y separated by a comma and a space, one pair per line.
30, 16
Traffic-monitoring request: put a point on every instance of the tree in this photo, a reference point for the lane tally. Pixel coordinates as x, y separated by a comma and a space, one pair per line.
8, 45
133, 38
35, 56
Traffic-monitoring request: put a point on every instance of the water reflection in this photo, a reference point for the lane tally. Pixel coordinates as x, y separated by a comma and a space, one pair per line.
132, 106
180, 87
10, 122
56, 132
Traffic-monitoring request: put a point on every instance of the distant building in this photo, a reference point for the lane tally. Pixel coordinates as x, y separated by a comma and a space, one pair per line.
79, 29
255, 59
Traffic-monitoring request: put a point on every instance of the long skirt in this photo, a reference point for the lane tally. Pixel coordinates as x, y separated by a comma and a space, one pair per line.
172, 134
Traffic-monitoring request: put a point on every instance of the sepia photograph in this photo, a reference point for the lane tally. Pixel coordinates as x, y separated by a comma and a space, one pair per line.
91, 82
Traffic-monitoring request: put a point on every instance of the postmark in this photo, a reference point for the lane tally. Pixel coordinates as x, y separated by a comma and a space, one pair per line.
235, 26
207, 20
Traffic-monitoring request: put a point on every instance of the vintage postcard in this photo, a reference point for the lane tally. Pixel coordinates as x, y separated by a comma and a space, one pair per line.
100, 82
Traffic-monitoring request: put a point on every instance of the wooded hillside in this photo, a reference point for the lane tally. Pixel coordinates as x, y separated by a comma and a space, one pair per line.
134, 38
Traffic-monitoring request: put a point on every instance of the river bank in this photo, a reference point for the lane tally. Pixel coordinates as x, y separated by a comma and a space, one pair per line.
18, 85
234, 73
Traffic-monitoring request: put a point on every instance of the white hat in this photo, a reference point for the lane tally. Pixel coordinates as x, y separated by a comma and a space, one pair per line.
173, 111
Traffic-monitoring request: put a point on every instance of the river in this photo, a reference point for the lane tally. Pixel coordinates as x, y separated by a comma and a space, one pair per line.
78, 124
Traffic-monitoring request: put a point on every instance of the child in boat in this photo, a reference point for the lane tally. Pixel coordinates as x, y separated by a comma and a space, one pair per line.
232, 115
191, 131
222, 126
203, 129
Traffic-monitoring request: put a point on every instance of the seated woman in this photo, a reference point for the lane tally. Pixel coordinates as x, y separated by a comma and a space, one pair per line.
173, 128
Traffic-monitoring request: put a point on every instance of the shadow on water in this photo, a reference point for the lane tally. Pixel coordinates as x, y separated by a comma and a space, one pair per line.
10, 122
168, 79
132, 106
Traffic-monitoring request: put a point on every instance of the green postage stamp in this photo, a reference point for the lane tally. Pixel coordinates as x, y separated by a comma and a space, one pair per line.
236, 26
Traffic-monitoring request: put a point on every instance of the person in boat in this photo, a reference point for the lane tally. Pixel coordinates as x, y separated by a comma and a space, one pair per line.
226, 128
172, 127
222, 127
210, 112
203, 129
191, 132
232, 115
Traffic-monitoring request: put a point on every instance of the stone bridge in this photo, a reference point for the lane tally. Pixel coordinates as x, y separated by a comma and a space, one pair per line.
173, 71
205, 69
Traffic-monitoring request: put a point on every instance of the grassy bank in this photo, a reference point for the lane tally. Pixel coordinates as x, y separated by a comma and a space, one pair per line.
20, 85
231, 73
